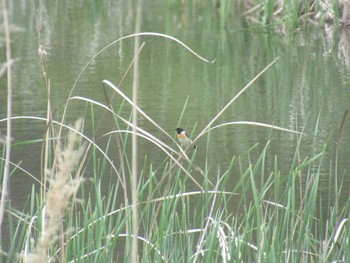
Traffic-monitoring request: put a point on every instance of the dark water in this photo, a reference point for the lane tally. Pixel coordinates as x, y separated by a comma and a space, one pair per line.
308, 85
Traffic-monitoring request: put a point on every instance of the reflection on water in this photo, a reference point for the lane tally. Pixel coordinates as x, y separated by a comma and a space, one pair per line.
308, 86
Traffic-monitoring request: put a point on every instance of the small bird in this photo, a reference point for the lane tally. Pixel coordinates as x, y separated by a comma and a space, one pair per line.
184, 139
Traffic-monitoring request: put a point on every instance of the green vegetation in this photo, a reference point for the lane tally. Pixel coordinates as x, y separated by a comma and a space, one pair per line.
282, 15
293, 14
245, 212
183, 217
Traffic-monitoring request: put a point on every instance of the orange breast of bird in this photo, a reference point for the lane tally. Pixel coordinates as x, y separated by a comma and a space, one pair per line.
182, 138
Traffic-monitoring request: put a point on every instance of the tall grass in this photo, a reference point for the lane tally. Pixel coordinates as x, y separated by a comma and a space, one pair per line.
181, 215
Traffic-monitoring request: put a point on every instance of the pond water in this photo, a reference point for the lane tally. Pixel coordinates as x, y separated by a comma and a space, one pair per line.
307, 86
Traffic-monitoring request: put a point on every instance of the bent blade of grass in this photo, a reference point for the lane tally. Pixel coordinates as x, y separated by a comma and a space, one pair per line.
119, 40
150, 137
254, 123
336, 235
163, 149
132, 36
127, 37
17, 166
234, 98
143, 132
116, 89
90, 141
102, 248
160, 199
190, 194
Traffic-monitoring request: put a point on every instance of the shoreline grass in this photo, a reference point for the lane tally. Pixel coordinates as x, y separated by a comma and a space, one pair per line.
267, 222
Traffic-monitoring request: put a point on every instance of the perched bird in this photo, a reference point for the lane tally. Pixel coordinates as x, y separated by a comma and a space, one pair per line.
184, 139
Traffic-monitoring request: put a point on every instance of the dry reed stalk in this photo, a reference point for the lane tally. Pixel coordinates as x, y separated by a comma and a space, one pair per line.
134, 182
7, 139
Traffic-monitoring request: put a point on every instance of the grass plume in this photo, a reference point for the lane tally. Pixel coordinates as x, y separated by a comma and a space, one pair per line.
63, 187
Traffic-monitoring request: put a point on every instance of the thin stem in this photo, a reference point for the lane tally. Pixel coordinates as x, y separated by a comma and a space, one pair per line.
9, 112
134, 175
234, 98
